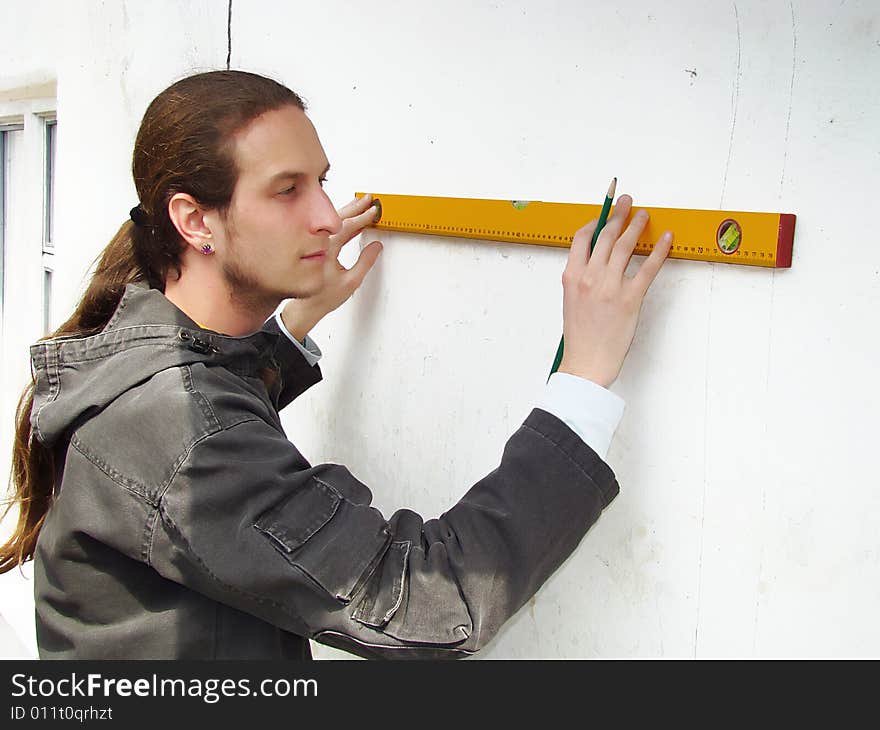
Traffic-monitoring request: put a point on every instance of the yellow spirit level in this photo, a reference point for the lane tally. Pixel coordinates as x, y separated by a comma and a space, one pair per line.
729, 237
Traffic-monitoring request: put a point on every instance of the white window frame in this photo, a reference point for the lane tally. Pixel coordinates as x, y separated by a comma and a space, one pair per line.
6, 126
50, 120
34, 116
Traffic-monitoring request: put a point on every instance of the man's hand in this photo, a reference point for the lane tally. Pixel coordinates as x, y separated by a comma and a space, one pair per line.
339, 283
600, 304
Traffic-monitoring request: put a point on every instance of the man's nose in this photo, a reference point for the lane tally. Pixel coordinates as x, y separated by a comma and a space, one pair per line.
324, 215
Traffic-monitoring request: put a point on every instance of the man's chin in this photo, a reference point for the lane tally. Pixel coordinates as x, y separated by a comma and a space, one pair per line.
304, 292
300, 294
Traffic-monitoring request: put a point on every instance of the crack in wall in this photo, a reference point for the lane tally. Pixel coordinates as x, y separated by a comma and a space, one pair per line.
790, 98
229, 35
735, 102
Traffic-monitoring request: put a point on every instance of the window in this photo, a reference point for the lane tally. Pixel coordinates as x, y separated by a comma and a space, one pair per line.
28, 229
47, 300
8, 130
50, 126
49, 187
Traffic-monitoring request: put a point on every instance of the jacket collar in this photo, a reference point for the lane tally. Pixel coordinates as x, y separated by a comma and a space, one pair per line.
147, 316
76, 376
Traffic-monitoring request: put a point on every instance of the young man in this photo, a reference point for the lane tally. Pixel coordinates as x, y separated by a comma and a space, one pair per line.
179, 521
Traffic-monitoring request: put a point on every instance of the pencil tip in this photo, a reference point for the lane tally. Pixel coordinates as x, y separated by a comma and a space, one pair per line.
612, 188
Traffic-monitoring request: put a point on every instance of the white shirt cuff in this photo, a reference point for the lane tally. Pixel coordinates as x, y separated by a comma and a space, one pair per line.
588, 409
311, 352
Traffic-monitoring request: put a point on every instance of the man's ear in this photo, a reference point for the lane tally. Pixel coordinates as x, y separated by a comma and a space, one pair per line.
188, 218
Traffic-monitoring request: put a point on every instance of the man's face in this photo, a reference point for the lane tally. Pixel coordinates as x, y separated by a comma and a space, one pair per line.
279, 212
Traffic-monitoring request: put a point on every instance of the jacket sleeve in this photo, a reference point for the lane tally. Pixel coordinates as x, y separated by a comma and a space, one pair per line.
296, 375
246, 521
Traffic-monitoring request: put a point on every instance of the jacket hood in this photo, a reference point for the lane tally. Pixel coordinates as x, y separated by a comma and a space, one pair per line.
76, 377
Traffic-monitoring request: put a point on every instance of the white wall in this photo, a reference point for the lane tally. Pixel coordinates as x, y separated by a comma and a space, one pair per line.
749, 503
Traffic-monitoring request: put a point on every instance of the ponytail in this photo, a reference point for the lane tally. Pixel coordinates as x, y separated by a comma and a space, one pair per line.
33, 464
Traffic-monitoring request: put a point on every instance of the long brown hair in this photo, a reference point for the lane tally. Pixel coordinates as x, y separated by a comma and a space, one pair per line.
185, 143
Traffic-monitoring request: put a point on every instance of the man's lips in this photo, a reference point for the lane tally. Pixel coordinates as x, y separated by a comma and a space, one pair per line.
316, 254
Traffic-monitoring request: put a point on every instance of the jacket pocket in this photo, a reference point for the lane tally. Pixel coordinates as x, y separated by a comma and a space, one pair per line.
385, 592
415, 598
336, 543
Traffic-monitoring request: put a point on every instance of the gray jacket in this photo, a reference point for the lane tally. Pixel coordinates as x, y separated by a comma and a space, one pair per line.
186, 525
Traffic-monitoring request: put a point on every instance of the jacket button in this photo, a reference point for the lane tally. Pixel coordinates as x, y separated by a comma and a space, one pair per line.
183, 335
200, 346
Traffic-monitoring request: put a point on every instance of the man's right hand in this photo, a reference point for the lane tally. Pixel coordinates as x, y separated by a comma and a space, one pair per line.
600, 304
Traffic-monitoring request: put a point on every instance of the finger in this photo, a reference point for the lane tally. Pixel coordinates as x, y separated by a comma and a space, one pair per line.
354, 225
611, 231
623, 249
356, 206
365, 262
648, 270
579, 253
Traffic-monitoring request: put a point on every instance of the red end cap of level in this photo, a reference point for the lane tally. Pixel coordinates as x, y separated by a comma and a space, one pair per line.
785, 241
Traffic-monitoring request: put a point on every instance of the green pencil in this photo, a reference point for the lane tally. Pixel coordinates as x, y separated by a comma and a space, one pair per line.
603, 216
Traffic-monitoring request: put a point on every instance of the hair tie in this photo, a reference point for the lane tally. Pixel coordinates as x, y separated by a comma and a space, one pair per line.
138, 215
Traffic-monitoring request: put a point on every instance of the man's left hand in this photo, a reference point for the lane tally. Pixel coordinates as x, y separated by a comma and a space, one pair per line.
339, 283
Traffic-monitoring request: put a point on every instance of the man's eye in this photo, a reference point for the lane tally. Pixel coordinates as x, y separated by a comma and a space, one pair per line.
288, 191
